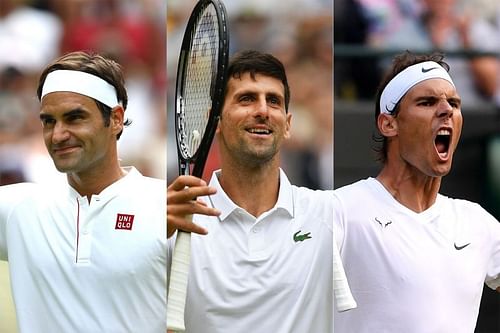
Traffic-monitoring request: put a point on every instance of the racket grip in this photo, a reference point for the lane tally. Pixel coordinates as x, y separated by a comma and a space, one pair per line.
341, 290
176, 301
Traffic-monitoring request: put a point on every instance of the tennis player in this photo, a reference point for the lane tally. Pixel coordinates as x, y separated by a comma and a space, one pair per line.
416, 260
262, 261
89, 254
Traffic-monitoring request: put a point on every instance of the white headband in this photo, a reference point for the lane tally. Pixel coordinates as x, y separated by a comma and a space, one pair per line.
81, 83
410, 76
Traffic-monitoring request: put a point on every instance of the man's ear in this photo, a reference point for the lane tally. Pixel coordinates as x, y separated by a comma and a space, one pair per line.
217, 129
288, 126
387, 125
116, 119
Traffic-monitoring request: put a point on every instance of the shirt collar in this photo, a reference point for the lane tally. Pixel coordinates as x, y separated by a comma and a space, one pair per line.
122, 185
222, 202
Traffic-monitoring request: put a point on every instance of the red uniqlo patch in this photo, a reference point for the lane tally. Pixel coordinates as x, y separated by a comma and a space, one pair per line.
124, 221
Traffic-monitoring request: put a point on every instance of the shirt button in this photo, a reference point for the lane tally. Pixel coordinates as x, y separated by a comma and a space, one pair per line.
256, 230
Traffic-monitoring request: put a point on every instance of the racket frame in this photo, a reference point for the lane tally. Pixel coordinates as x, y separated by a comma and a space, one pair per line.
199, 158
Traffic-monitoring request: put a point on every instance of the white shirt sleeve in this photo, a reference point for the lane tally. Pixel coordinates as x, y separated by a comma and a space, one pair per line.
493, 273
10, 196
338, 222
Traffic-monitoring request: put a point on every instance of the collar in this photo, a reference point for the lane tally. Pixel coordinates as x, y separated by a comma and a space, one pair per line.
222, 202
121, 186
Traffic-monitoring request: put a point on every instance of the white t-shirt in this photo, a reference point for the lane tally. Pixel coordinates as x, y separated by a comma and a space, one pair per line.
267, 274
86, 267
413, 272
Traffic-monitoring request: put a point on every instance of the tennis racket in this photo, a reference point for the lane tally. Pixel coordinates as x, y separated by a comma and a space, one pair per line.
201, 77
341, 290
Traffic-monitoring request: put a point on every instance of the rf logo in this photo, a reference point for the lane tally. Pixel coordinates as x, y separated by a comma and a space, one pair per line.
124, 221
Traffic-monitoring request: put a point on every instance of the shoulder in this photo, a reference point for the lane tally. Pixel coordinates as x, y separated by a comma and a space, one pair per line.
137, 180
20, 195
361, 187
466, 208
307, 196
19, 191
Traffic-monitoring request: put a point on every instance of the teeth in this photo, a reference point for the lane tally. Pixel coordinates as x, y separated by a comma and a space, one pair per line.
444, 132
259, 131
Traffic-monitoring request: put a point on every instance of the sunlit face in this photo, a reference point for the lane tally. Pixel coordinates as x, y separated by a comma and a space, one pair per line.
74, 132
253, 122
429, 125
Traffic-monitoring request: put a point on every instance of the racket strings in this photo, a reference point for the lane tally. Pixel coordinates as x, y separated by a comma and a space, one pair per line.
201, 66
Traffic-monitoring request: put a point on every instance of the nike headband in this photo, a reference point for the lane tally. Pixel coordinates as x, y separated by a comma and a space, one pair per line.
81, 83
406, 79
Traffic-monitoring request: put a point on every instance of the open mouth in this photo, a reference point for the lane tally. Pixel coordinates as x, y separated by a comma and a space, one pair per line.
442, 142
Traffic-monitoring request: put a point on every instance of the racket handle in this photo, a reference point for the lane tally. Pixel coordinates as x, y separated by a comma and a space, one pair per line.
341, 289
179, 272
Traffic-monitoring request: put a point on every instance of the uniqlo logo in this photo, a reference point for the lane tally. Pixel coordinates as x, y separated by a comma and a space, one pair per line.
124, 222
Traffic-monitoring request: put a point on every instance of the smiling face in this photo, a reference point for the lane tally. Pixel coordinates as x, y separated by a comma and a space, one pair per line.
253, 123
426, 131
75, 134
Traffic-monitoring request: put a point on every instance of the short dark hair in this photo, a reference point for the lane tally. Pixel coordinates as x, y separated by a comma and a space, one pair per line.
97, 65
255, 62
399, 63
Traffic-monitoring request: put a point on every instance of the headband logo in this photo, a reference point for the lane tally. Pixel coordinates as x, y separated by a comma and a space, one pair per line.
389, 111
425, 70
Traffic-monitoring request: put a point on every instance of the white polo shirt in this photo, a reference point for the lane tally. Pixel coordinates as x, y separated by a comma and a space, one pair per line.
267, 274
413, 272
87, 267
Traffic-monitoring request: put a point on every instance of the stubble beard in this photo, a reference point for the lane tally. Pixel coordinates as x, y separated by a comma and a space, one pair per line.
256, 156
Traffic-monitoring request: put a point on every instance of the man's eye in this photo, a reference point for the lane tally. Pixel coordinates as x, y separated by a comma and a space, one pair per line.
426, 103
245, 98
46, 122
75, 117
274, 100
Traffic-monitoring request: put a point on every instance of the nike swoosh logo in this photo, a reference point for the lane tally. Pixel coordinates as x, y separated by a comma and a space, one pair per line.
460, 247
425, 70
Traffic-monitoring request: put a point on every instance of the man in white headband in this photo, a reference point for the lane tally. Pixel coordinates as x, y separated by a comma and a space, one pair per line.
415, 259
88, 255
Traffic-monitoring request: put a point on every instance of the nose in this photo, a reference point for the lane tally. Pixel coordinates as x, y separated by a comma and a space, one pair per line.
444, 109
261, 109
59, 133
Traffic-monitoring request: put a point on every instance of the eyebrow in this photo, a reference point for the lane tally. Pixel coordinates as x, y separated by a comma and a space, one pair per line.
253, 93
74, 112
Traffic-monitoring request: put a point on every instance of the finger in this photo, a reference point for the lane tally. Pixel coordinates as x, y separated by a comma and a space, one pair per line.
191, 208
189, 193
186, 181
177, 223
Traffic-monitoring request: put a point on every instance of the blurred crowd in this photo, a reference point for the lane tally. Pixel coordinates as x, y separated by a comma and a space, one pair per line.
299, 33
35, 32
459, 28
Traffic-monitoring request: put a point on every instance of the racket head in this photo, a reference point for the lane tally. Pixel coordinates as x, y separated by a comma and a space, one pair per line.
201, 79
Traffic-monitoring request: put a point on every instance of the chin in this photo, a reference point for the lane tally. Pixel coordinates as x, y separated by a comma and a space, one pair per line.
442, 171
65, 168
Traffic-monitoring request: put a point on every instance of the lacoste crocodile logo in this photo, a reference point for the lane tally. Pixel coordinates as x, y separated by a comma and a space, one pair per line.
383, 224
425, 70
300, 238
458, 248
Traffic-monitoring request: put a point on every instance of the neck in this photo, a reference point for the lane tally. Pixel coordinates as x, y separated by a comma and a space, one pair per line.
253, 188
410, 188
95, 181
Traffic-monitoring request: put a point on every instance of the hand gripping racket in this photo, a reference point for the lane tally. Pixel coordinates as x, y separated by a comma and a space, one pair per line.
341, 290
201, 77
